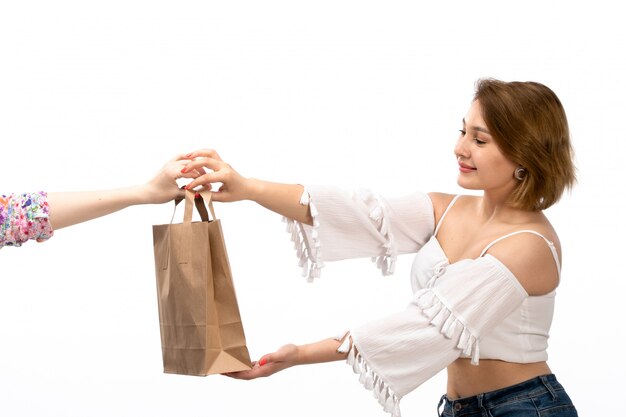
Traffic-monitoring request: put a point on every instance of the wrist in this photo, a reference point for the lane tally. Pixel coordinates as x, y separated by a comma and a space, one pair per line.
140, 194
300, 357
255, 188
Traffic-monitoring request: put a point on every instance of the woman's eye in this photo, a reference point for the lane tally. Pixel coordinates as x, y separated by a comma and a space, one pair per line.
475, 139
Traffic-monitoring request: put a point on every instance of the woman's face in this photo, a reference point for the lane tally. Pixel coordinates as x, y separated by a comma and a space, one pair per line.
482, 165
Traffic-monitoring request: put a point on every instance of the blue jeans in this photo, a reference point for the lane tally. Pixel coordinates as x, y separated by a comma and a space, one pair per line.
539, 397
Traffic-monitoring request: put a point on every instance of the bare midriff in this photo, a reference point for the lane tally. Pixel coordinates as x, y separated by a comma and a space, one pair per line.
466, 380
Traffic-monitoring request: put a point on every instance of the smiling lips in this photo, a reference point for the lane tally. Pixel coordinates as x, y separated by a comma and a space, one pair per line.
466, 168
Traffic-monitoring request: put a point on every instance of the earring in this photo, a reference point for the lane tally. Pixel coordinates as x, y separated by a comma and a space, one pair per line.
520, 173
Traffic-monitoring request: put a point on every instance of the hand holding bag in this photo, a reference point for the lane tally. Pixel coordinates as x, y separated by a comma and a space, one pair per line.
201, 328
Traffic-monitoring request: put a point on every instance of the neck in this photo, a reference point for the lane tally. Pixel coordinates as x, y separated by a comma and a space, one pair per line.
494, 205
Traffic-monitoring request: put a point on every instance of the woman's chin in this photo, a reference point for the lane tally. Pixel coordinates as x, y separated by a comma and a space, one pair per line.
463, 183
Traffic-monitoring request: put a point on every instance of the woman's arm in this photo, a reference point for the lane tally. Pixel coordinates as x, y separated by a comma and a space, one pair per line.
283, 199
69, 208
327, 223
292, 355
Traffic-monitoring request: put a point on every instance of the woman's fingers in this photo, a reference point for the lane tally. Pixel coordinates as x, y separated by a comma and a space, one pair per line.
205, 180
207, 153
258, 371
214, 174
204, 162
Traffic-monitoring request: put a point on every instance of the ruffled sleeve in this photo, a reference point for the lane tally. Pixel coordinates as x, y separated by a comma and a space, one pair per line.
398, 353
24, 217
359, 224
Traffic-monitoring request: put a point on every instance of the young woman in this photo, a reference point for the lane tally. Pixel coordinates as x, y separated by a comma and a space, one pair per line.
485, 270
35, 215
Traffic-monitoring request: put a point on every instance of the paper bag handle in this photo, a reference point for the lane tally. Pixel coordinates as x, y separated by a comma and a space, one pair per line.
205, 198
185, 244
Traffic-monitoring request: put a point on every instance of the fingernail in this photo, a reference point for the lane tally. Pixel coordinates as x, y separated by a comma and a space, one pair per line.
184, 170
262, 362
188, 155
197, 195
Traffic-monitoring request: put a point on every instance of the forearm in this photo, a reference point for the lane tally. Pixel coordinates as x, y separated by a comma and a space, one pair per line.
292, 355
68, 208
322, 351
283, 199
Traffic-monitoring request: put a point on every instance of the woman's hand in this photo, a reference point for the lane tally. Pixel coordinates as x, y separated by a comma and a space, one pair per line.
71, 208
290, 355
283, 199
234, 187
163, 187
269, 364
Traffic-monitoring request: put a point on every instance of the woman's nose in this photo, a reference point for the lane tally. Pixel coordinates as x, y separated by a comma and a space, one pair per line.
460, 149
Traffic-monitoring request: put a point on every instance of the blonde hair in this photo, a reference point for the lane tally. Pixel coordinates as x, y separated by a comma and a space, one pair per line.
528, 122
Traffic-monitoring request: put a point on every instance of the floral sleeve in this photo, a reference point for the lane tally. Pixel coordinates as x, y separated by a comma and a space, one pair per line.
24, 217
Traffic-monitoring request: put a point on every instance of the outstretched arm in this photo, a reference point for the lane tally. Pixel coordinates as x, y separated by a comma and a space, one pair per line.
292, 355
68, 208
283, 199
345, 224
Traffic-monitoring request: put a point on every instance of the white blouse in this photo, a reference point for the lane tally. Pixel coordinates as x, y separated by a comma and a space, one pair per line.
453, 305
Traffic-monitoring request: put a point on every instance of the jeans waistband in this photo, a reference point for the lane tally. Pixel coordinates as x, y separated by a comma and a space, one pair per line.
533, 387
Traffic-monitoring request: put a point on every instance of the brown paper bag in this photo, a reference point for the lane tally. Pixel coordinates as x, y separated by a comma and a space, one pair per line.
201, 328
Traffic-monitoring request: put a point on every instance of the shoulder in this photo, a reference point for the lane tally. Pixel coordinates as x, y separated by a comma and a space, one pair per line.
441, 201
530, 258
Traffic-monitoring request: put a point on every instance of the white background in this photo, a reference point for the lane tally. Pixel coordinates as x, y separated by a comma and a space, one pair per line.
354, 93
